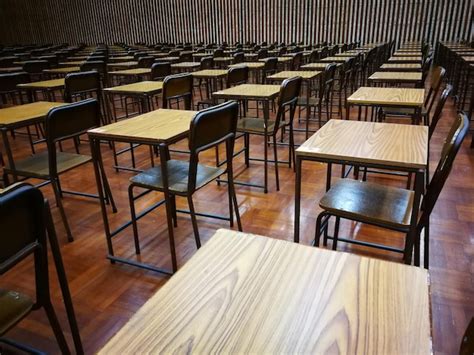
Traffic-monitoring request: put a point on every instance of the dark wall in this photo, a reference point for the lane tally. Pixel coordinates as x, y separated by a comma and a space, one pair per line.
91, 21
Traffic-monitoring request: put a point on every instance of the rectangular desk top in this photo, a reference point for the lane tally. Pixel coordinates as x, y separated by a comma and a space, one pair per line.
407, 54
22, 114
45, 84
159, 126
413, 66
72, 63
244, 91
388, 96
396, 76
250, 65
142, 87
64, 70
209, 73
333, 59
305, 74
405, 59
248, 294
223, 59
388, 144
186, 65
11, 69
134, 71
122, 64
316, 65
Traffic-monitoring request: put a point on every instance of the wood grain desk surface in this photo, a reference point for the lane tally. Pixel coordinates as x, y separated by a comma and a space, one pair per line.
142, 87
134, 71
388, 96
247, 294
405, 59
209, 73
396, 76
249, 90
313, 66
186, 65
24, 113
305, 74
162, 125
64, 70
414, 66
387, 144
251, 65
44, 84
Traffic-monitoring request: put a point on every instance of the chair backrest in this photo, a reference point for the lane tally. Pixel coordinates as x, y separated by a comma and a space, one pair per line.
282, 51
237, 75
96, 58
82, 83
297, 60
270, 66
210, 127
324, 52
439, 109
186, 57
178, 86
99, 66
35, 66
425, 69
327, 81
69, 121
262, 53
454, 139
218, 53
6, 62
9, 82
239, 57
146, 62
437, 76
287, 99
160, 70
315, 55
207, 62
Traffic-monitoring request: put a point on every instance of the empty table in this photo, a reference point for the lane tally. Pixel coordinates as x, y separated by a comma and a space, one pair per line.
382, 77
46, 86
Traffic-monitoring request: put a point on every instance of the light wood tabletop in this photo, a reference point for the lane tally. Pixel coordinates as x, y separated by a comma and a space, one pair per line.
404, 66
387, 144
45, 84
250, 65
305, 74
186, 65
415, 59
313, 66
333, 59
163, 125
142, 87
209, 73
72, 63
23, 114
283, 59
132, 72
122, 64
389, 76
64, 70
249, 91
223, 59
11, 69
248, 294
387, 96
407, 54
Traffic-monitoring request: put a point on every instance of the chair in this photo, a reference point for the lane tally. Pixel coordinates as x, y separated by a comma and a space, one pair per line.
100, 67
186, 57
145, 62
390, 207
239, 57
297, 61
160, 70
286, 102
178, 87
35, 69
208, 129
61, 123
8, 87
262, 53
270, 67
26, 223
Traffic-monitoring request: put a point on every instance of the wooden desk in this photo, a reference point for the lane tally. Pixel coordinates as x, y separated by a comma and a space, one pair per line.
405, 59
152, 128
11, 70
407, 54
316, 66
131, 72
46, 86
22, 116
212, 76
247, 294
126, 58
371, 144
186, 66
334, 59
59, 72
401, 67
167, 59
72, 63
381, 77
122, 65
253, 92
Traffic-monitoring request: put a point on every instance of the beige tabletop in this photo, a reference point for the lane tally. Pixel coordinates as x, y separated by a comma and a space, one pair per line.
405, 59
387, 96
248, 294
131, 72
313, 66
223, 59
153, 127
169, 59
408, 66
127, 58
76, 58
210, 73
305, 74
396, 76
11, 69
346, 55
72, 63
142, 87
469, 59
122, 64
45, 84
250, 65
186, 65
407, 54
23, 114
334, 59
64, 70
283, 59
254, 91
386, 144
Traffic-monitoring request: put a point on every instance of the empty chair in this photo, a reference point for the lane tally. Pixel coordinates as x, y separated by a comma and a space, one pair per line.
145, 62
218, 53
186, 57
26, 225
391, 207
8, 87
178, 88
35, 68
98, 66
61, 123
239, 57
262, 53
209, 128
160, 70
297, 61
270, 67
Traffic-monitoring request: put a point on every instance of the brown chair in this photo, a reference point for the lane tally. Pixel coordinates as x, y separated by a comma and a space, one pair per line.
239, 57
26, 223
209, 128
9, 89
35, 69
145, 62
286, 102
270, 67
61, 123
178, 87
98, 66
390, 207
160, 70
186, 57
297, 61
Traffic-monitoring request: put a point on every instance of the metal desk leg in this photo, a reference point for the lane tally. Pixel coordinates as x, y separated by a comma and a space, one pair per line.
297, 200
8, 151
266, 114
308, 95
412, 237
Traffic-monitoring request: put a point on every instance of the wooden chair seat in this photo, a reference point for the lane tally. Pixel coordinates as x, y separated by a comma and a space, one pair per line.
256, 125
178, 174
370, 203
14, 306
38, 165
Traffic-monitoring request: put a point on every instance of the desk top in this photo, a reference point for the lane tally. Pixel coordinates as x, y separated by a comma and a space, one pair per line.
315, 66
407, 54
72, 63
209, 73
247, 294
64, 70
159, 126
22, 114
388, 144
223, 59
248, 91
45, 84
388, 96
413, 66
186, 65
396, 76
122, 64
334, 59
135, 71
251, 65
405, 59
305, 74
11, 69
142, 87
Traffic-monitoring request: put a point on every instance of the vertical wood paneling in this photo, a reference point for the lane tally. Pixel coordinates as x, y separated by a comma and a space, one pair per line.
92, 21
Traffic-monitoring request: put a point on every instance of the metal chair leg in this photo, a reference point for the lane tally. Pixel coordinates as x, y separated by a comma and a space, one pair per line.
58, 333
59, 203
276, 163
336, 233
194, 221
133, 219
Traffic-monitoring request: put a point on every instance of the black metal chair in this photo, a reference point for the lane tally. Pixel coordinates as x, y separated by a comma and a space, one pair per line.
178, 87
160, 70
26, 223
61, 123
209, 128
100, 67
390, 207
35, 69
145, 62
9, 89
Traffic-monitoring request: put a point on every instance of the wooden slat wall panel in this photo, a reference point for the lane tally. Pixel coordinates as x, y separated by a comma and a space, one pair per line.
92, 21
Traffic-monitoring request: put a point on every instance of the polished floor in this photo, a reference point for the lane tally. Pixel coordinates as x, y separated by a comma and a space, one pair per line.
105, 296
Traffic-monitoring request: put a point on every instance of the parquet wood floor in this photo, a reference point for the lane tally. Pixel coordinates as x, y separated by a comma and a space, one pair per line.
105, 296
